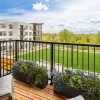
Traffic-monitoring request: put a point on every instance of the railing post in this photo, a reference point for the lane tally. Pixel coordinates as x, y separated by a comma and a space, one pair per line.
16, 50
0, 59
51, 63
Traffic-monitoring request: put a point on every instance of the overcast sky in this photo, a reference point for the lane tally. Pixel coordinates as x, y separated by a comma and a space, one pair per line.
79, 16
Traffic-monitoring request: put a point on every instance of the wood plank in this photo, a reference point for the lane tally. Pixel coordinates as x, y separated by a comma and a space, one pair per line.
32, 92
27, 94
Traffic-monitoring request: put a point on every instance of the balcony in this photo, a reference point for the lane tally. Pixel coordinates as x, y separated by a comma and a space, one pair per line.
52, 55
23, 91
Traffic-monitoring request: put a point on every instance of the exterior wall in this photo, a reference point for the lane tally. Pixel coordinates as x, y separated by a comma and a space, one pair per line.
6, 30
6, 33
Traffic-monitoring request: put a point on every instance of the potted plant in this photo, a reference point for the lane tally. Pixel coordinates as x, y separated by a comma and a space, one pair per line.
36, 74
61, 81
72, 84
31, 73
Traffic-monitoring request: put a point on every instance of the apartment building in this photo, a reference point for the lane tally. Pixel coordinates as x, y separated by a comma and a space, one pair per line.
20, 31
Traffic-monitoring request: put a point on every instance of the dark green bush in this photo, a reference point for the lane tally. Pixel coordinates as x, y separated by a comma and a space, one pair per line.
89, 86
34, 73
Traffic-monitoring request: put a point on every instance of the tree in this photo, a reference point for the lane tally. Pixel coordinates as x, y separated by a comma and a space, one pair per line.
98, 37
66, 36
50, 37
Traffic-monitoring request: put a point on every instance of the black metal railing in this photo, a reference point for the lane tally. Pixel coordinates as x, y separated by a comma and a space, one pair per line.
52, 55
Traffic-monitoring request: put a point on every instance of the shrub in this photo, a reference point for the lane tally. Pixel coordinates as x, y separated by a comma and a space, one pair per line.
88, 85
36, 74
32, 72
22, 66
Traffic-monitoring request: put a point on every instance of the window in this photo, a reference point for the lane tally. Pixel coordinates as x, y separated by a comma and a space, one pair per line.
26, 33
4, 33
0, 33
10, 33
30, 27
10, 26
26, 27
34, 34
3, 26
0, 25
34, 38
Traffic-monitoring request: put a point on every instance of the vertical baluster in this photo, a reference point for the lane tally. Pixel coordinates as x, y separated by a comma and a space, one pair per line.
72, 56
42, 54
10, 58
35, 51
77, 55
82, 57
46, 55
54, 56
63, 59
13, 52
51, 62
94, 61
29, 50
58, 57
32, 50
26, 51
67, 56
88, 60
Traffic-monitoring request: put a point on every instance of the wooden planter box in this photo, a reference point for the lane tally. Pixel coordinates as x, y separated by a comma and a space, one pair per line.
22, 77
69, 92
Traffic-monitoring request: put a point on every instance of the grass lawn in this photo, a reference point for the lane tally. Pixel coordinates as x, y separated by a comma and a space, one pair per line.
65, 58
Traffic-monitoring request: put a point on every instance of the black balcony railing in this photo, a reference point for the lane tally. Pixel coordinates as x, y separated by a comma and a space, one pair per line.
52, 55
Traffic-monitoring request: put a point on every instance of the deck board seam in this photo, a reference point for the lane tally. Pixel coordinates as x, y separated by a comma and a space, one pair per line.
32, 93
24, 95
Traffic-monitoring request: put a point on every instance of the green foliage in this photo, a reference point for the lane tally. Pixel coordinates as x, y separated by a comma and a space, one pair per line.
98, 37
89, 86
50, 37
66, 36
36, 74
30, 69
59, 81
84, 38
22, 66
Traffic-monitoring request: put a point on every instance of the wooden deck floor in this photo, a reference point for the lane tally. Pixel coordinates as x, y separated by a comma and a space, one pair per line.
23, 91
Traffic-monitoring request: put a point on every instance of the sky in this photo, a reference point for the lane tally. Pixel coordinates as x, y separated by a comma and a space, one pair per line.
78, 16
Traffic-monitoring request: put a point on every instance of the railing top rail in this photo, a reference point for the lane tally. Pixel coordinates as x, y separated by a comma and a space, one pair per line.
63, 43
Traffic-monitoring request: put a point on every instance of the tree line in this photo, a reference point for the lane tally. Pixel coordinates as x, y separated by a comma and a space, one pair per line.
68, 36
